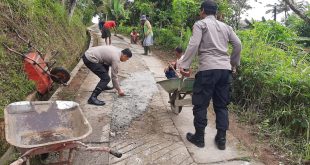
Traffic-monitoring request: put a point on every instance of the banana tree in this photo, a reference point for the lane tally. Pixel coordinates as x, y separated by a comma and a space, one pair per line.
115, 9
182, 11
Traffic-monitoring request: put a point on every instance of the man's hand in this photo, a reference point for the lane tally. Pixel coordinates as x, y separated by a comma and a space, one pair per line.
234, 69
185, 73
121, 92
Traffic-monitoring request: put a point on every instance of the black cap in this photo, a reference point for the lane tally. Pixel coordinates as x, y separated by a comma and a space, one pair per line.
127, 52
209, 6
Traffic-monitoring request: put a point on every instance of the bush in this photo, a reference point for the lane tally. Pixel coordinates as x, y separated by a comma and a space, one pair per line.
125, 30
270, 84
166, 38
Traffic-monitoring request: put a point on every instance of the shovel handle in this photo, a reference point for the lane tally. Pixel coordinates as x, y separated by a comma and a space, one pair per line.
177, 74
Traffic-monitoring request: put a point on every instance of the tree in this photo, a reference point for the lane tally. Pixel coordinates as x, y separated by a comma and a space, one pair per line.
278, 8
299, 12
115, 9
238, 8
300, 26
182, 12
273, 10
71, 7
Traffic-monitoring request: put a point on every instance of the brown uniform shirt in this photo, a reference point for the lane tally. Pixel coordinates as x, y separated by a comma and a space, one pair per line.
108, 55
210, 38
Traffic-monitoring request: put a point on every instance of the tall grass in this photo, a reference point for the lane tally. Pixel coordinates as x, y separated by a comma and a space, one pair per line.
274, 83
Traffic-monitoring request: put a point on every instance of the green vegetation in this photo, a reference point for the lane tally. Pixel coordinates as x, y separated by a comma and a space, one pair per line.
46, 24
274, 84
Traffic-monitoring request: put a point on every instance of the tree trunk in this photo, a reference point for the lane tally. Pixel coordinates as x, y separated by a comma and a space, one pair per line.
298, 12
71, 7
63, 2
275, 13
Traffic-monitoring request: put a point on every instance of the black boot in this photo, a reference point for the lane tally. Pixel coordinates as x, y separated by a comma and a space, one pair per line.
146, 51
198, 138
108, 88
93, 98
220, 139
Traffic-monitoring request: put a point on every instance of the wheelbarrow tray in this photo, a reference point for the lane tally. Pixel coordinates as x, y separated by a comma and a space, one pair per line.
44, 123
172, 85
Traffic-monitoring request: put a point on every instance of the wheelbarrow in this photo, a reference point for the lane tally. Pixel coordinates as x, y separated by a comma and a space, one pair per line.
178, 89
41, 127
39, 70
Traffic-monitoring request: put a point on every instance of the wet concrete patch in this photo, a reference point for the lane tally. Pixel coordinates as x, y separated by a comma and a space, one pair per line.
139, 87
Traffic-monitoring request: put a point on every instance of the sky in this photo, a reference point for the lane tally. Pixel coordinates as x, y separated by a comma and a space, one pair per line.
259, 10
95, 19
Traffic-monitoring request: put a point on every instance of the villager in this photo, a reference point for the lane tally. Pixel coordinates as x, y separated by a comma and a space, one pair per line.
148, 34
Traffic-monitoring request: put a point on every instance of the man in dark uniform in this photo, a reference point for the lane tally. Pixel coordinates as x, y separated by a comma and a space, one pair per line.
210, 39
99, 59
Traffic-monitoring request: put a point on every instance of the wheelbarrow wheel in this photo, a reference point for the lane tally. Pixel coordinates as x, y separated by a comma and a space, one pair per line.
176, 109
175, 96
60, 75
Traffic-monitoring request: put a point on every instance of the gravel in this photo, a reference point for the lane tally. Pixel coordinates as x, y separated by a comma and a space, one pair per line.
139, 88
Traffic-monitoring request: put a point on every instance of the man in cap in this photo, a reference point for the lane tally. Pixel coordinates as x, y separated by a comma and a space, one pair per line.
148, 34
98, 60
210, 39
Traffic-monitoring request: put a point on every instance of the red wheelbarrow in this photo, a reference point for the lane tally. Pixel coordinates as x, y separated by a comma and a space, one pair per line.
48, 126
38, 70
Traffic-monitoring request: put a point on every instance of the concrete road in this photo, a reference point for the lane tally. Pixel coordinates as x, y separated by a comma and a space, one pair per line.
141, 125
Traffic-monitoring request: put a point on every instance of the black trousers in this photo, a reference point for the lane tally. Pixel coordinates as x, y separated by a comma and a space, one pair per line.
101, 70
213, 84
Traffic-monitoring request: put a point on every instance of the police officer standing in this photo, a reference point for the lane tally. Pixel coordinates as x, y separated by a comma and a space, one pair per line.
210, 38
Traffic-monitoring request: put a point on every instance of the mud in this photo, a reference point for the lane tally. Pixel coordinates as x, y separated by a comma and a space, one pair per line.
140, 87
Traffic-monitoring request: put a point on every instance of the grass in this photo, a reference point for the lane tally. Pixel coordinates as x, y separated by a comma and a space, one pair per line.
46, 25
3, 147
272, 93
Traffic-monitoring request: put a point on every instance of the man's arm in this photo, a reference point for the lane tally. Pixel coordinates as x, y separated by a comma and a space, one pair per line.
115, 30
192, 47
115, 81
236, 43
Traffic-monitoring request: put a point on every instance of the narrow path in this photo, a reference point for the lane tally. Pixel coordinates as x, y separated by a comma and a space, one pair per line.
142, 125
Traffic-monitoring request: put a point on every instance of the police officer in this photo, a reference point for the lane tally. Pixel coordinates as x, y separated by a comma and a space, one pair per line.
210, 38
99, 59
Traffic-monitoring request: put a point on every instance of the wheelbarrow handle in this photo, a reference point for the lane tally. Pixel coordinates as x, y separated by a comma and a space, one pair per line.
19, 161
101, 149
116, 153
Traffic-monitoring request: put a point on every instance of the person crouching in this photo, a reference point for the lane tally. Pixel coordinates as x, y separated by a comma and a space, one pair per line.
99, 59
